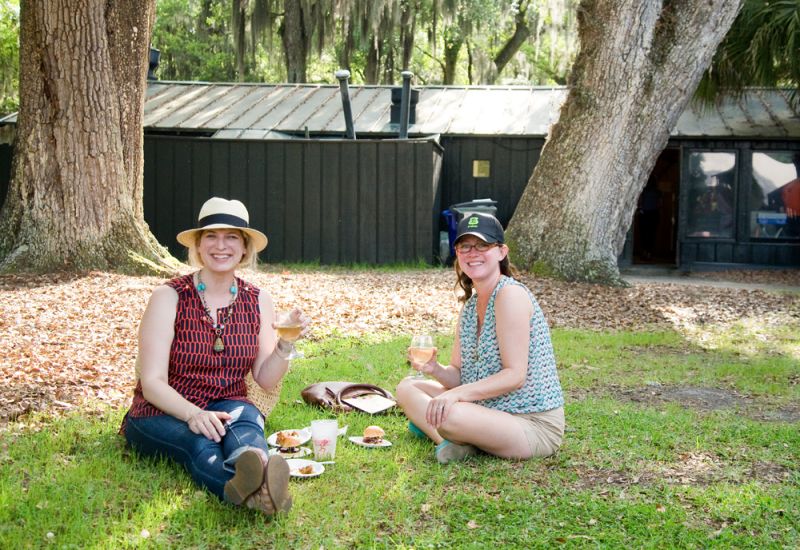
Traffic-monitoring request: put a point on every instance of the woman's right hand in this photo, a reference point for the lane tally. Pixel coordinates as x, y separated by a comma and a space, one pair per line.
209, 423
424, 368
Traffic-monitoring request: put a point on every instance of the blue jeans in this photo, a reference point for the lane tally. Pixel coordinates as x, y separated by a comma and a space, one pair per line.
209, 463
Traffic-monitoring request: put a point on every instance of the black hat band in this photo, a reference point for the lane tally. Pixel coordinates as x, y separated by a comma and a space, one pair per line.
226, 219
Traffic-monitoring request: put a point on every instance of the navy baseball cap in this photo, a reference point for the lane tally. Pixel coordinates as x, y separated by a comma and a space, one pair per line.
484, 226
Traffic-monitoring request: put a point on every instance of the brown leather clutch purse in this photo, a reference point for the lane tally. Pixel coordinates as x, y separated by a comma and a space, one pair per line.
330, 395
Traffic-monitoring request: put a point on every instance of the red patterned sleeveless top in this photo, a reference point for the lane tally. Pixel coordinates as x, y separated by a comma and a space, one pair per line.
195, 370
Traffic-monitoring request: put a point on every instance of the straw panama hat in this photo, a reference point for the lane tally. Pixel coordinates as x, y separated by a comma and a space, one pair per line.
218, 213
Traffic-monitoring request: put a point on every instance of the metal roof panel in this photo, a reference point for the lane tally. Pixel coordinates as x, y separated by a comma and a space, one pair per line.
174, 101
310, 104
267, 99
229, 107
454, 110
280, 111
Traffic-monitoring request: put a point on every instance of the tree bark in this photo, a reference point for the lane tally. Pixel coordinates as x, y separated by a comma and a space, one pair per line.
238, 28
638, 66
372, 63
408, 28
521, 33
75, 199
452, 46
295, 39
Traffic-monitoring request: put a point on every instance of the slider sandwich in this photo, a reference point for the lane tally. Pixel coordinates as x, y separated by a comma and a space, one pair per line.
373, 435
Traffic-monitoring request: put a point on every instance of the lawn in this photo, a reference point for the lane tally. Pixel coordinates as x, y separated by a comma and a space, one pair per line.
669, 444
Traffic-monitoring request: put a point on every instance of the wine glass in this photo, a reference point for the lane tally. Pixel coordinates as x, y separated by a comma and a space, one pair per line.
421, 351
289, 329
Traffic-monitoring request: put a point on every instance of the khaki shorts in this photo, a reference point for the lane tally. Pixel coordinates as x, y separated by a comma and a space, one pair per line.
544, 430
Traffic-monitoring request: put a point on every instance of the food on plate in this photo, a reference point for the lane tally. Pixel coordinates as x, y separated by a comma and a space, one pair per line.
288, 441
373, 435
306, 470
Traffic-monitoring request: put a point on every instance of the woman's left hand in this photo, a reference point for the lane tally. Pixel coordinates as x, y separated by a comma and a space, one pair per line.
439, 407
297, 317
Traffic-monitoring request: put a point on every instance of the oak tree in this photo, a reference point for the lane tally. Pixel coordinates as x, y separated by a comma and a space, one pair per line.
75, 198
637, 67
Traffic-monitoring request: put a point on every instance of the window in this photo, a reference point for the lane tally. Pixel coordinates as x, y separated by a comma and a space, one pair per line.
711, 183
774, 200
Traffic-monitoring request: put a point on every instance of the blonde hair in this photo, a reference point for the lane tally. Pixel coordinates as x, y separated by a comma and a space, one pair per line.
248, 261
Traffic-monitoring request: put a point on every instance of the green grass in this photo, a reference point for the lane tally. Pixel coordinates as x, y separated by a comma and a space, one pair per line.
639, 474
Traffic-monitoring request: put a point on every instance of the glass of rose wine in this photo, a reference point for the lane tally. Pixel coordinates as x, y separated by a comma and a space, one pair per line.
420, 351
289, 329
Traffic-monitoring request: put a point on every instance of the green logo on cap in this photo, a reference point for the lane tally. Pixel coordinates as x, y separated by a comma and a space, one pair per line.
473, 222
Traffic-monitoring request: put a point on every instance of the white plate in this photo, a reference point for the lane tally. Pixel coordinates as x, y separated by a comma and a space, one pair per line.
303, 435
304, 451
358, 440
296, 463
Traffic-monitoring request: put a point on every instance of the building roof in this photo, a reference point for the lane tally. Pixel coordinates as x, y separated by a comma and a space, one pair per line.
260, 111
264, 111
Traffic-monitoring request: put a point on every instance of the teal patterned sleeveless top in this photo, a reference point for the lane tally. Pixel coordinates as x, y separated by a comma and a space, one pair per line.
480, 358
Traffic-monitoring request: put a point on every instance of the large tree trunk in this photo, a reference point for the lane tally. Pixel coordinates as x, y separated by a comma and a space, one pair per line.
408, 28
75, 200
295, 39
372, 65
638, 66
239, 30
521, 33
452, 46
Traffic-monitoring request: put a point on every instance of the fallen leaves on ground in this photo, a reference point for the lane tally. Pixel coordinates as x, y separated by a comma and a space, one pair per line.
72, 338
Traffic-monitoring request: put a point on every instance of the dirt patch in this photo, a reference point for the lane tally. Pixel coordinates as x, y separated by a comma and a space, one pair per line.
708, 399
696, 468
790, 413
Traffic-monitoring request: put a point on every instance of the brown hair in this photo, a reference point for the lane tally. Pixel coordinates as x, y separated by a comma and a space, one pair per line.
465, 283
248, 260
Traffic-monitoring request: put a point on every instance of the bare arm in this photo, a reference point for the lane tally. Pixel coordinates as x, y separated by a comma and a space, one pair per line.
156, 333
448, 376
271, 364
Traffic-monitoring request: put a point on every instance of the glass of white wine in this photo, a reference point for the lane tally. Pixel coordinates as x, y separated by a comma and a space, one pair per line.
420, 351
289, 329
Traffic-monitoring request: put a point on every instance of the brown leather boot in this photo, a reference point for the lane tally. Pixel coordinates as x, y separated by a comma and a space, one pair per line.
273, 496
260, 482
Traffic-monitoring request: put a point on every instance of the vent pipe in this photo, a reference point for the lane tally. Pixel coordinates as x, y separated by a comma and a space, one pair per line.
343, 76
405, 103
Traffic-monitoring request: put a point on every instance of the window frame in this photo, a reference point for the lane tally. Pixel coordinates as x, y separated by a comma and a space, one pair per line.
685, 193
745, 235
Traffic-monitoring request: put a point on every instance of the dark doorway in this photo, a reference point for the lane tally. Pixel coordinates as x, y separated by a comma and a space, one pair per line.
655, 222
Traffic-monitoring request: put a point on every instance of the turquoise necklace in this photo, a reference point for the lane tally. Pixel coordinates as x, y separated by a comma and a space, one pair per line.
219, 326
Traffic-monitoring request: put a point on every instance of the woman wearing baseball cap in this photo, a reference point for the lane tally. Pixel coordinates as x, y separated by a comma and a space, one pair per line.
500, 393
201, 334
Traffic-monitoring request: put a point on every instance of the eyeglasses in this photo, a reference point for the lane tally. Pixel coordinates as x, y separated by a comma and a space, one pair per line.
480, 246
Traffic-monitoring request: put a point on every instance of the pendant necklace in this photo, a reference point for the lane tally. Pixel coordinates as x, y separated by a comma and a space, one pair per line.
219, 326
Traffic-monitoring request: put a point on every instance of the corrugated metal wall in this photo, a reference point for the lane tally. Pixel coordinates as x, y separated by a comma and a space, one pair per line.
332, 201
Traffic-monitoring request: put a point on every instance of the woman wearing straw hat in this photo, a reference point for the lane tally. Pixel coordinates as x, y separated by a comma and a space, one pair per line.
200, 335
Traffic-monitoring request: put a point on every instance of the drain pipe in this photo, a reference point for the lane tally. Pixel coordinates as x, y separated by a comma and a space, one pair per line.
405, 103
343, 75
